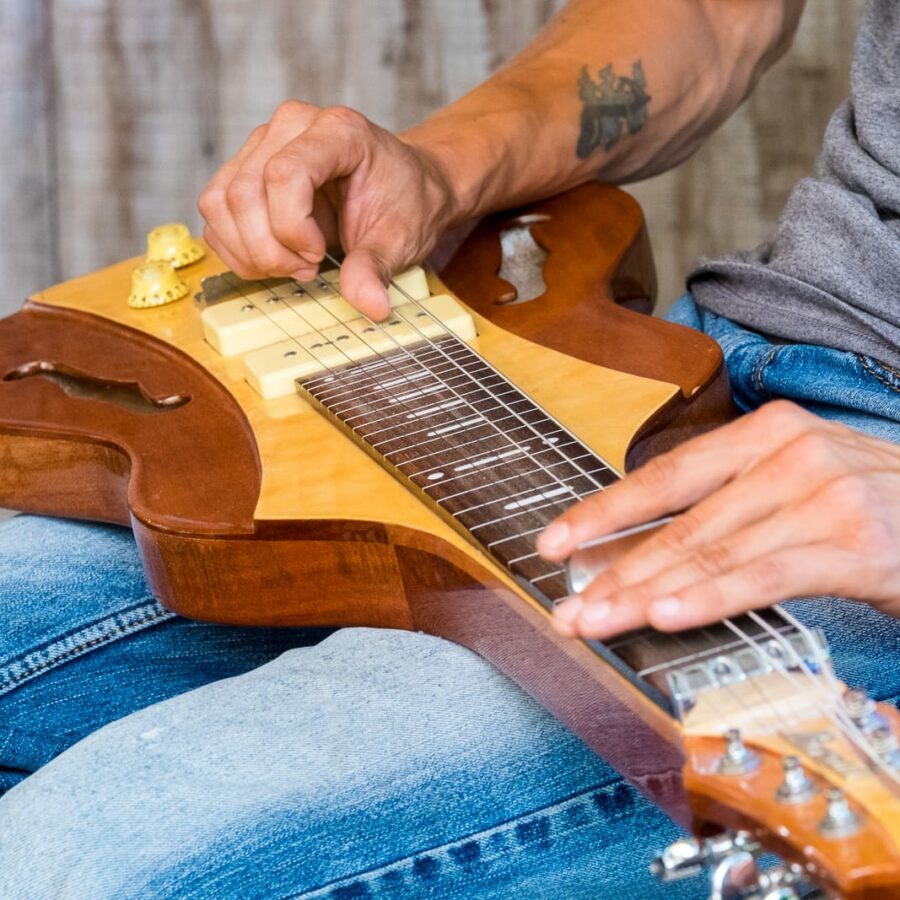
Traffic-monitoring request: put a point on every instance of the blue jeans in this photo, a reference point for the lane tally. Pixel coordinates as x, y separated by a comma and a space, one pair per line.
178, 759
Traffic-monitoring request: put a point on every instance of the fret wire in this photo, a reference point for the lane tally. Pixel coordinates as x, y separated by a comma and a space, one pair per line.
444, 481
428, 312
334, 372
421, 371
482, 422
430, 397
457, 406
518, 559
430, 393
550, 434
409, 372
523, 512
514, 537
546, 575
531, 489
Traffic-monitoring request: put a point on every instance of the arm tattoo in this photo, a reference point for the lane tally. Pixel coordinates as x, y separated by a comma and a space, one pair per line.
610, 103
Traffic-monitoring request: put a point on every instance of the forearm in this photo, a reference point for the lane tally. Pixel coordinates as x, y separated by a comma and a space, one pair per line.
610, 88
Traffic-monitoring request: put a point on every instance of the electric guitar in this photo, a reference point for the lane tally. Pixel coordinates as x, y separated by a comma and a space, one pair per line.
285, 461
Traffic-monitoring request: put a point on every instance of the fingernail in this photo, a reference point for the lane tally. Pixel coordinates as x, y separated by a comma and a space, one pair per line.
567, 609
554, 536
667, 609
596, 613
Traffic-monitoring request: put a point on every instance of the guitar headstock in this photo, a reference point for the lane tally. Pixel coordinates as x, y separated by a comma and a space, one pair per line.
779, 751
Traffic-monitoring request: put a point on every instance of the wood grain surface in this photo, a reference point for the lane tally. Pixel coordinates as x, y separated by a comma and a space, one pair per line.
114, 114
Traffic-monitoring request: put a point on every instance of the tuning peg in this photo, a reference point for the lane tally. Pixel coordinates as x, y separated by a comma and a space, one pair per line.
860, 708
884, 742
738, 758
174, 242
840, 820
154, 284
797, 786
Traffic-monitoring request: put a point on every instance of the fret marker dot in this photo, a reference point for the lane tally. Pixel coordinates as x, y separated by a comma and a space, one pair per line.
290, 353
435, 476
343, 337
368, 330
247, 307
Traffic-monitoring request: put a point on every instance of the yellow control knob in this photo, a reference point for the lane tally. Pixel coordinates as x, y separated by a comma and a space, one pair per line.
154, 283
174, 243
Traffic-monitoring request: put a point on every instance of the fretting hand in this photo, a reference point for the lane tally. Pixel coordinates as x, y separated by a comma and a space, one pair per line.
313, 175
780, 504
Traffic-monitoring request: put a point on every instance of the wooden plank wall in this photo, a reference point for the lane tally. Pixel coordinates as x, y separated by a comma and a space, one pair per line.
113, 113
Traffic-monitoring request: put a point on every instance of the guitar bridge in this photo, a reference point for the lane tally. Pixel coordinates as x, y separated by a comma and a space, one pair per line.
784, 657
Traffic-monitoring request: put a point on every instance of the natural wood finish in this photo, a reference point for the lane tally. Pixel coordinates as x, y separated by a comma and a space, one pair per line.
585, 320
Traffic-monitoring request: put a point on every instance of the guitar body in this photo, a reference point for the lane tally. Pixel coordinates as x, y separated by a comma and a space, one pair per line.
261, 512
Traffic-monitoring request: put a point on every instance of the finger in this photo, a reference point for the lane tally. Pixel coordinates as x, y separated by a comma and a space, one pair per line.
218, 247
214, 207
677, 479
785, 574
332, 147
365, 274
794, 472
585, 616
247, 196
798, 525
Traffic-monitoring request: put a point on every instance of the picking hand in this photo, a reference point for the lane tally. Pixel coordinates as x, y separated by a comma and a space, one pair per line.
311, 176
780, 504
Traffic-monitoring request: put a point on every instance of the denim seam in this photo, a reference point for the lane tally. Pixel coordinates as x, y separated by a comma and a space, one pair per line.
758, 368
867, 365
97, 634
530, 829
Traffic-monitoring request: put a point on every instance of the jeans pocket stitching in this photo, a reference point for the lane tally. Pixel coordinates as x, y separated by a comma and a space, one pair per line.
40, 660
886, 375
537, 829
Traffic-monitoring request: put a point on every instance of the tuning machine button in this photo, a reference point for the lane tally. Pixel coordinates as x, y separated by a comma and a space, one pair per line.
797, 786
884, 742
174, 243
155, 283
861, 709
738, 758
840, 820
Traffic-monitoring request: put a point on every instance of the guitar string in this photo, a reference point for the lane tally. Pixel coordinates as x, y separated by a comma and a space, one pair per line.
727, 621
480, 359
374, 382
465, 373
754, 712
853, 734
469, 375
860, 738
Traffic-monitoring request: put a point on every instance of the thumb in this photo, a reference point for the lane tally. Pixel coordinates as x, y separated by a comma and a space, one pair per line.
365, 274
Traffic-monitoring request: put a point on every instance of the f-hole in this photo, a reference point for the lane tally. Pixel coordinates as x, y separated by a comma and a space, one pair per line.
522, 261
124, 394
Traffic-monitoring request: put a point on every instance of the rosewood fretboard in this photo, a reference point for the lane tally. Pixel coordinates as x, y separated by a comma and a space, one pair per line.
485, 455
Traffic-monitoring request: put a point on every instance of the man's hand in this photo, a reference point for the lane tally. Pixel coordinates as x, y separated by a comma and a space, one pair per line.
780, 504
311, 176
